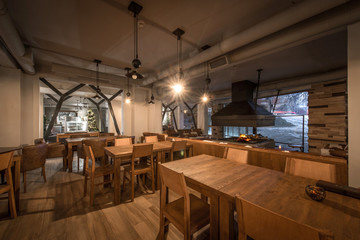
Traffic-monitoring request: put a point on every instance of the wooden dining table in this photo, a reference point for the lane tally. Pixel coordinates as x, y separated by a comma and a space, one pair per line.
15, 171
70, 142
284, 194
118, 153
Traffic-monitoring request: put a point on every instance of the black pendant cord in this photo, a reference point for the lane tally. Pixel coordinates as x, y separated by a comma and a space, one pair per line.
97, 75
136, 36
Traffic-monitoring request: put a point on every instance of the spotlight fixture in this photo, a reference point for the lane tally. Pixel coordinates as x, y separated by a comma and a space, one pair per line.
136, 63
97, 96
152, 98
128, 94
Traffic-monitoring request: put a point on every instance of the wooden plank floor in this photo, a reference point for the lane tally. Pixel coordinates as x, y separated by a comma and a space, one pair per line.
57, 210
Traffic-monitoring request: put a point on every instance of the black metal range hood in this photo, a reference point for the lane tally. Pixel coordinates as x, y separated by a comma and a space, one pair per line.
242, 111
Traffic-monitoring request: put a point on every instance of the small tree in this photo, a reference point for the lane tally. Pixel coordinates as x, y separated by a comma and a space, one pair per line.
92, 126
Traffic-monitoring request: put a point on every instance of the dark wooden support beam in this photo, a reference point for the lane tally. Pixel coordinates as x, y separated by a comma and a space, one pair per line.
63, 97
52, 97
173, 116
191, 109
165, 108
97, 104
68, 97
108, 100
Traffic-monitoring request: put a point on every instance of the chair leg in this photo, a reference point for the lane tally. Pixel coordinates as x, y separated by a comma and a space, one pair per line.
78, 164
85, 186
12, 203
152, 180
43, 173
132, 187
92, 189
24, 180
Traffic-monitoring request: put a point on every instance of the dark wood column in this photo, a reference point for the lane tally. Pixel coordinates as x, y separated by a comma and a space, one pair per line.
63, 97
108, 100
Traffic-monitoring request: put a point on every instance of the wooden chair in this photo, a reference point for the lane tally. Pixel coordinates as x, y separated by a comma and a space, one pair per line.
311, 169
106, 134
5, 164
162, 137
188, 213
33, 157
151, 139
140, 167
123, 141
176, 147
55, 150
260, 223
236, 154
94, 172
97, 145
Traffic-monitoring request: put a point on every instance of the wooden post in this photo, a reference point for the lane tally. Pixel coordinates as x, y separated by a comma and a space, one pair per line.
97, 105
165, 108
192, 113
63, 97
173, 116
108, 100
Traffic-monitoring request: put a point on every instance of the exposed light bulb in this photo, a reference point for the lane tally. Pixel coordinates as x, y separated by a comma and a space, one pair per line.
177, 88
205, 99
134, 76
127, 100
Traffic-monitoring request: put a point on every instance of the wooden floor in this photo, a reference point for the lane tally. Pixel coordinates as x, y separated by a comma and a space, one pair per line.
58, 210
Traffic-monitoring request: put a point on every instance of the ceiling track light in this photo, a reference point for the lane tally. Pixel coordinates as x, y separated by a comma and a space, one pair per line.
98, 90
136, 63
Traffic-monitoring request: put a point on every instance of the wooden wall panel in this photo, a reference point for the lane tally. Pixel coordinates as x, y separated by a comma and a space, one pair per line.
327, 115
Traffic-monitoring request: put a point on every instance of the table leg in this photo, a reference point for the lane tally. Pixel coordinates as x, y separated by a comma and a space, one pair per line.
214, 217
70, 157
157, 176
226, 218
117, 185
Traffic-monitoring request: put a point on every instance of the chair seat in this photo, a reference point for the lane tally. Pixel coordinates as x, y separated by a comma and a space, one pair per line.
199, 213
142, 166
102, 170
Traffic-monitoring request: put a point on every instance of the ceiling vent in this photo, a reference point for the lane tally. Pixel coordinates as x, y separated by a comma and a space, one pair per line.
219, 62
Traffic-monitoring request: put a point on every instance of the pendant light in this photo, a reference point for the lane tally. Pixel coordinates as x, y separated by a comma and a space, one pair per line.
178, 87
128, 94
206, 96
97, 96
135, 9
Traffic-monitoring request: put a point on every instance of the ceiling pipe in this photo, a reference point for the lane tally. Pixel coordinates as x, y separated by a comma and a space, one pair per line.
325, 24
13, 42
289, 17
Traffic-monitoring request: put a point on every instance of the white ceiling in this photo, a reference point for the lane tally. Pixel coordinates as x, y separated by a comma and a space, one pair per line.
103, 29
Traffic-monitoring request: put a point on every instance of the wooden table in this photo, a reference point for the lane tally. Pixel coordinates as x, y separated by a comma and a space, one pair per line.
122, 152
223, 179
70, 142
15, 171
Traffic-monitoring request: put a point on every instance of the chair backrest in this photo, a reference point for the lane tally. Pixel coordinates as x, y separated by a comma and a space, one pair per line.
151, 139
39, 141
260, 223
5, 160
178, 146
33, 156
89, 155
106, 134
236, 154
123, 141
162, 137
311, 169
142, 150
97, 145
173, 180
80, 135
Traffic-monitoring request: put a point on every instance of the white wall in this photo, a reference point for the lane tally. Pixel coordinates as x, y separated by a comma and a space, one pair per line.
10, 107
19, 107
353, 103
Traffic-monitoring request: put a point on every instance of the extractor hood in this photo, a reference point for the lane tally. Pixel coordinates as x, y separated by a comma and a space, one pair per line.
242, 111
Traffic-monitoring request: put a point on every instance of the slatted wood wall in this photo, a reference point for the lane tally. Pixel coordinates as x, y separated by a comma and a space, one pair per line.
327, 114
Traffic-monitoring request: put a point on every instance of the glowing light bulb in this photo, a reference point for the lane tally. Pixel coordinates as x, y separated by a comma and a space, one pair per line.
205, 98
134, 76
127, 101
178, 88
